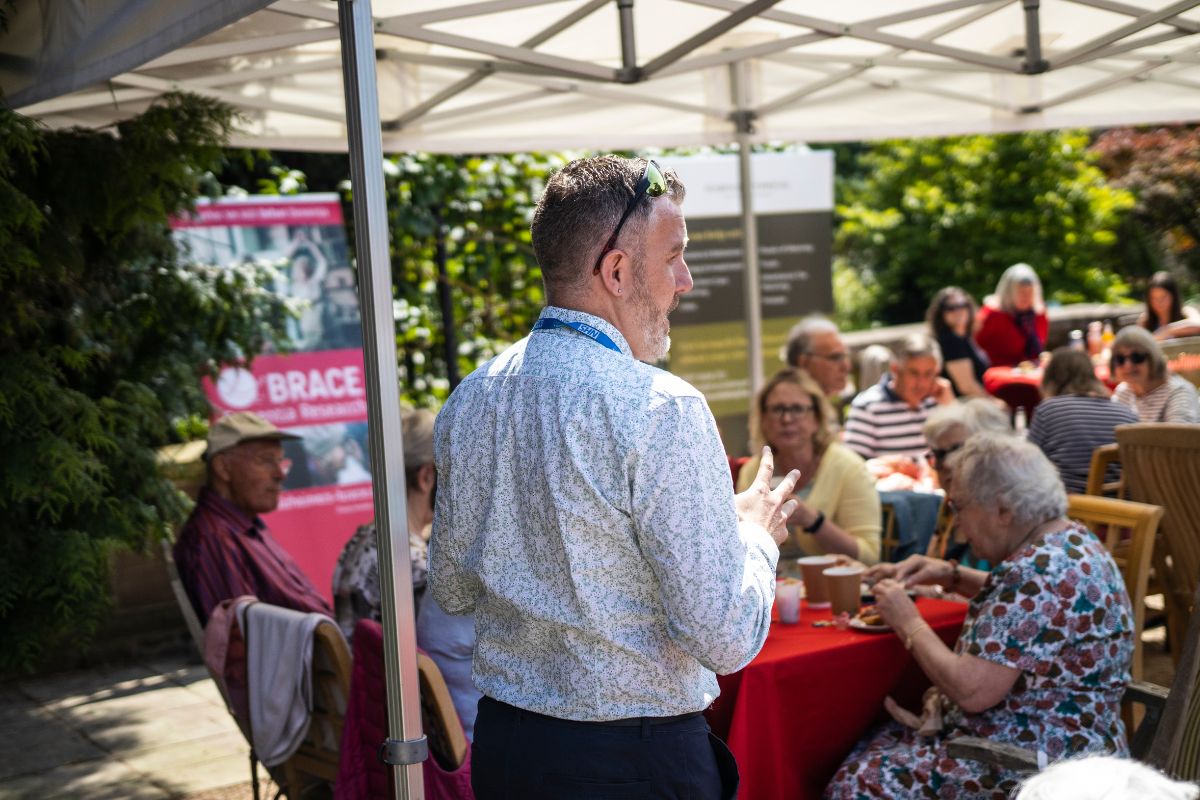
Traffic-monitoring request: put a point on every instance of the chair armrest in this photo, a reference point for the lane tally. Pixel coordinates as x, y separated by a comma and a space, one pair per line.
1148, 694
1007, 756
1102, 457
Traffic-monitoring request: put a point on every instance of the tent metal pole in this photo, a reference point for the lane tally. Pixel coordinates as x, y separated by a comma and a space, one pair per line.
1033, 62
744, 118
406, 745
629, 67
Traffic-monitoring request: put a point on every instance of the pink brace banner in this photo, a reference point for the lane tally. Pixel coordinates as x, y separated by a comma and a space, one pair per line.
317, 392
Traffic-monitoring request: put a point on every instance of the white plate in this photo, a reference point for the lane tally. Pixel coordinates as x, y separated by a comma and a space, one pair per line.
859, 625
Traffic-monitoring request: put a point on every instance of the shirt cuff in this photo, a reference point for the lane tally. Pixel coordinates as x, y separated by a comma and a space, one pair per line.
756, 536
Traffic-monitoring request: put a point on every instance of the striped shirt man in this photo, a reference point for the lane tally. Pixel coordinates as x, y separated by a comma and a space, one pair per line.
1069, 427
223, 553
882, 424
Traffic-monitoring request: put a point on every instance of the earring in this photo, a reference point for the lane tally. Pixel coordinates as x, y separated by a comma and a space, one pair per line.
618, 290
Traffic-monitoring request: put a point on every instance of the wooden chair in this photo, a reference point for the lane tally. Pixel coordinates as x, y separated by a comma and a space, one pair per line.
1127, 530
889, 539
443, 729
312, 769
1168, 738
1161, 465
942, 533
1103, 457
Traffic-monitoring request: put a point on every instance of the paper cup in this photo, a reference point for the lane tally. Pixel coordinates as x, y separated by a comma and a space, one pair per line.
845, 589
812, 568
787, 598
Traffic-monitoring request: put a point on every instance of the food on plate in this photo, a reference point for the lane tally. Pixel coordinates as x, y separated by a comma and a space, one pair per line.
870, 616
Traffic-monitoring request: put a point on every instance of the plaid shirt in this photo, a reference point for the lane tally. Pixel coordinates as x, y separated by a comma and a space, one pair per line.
222, 553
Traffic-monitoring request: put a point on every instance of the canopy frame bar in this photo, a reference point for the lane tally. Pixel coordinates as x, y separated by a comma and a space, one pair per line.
1087, 50
452, 91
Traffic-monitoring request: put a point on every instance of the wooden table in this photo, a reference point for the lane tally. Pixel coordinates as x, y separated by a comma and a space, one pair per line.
793, 713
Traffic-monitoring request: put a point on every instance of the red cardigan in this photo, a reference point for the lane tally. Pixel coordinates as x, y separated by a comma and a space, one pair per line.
1002, 340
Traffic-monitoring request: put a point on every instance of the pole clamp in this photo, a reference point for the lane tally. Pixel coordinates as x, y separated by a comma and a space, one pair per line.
403, 752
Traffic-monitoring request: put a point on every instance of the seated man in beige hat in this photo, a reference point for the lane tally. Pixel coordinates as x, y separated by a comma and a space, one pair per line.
225, 549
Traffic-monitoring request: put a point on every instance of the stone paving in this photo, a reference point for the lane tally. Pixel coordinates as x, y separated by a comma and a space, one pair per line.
157, 730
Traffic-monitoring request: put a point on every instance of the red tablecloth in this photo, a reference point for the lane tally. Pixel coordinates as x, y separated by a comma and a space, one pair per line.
1019, 387
793, 713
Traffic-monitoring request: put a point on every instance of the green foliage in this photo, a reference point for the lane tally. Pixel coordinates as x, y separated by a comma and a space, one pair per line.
101, 345
482, 206
925, 213
1162, 168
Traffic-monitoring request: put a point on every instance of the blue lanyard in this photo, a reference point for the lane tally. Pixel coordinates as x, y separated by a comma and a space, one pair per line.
597, 336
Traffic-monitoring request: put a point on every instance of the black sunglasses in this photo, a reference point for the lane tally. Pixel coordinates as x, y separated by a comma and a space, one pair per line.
1134, 358
653, 184
955, 306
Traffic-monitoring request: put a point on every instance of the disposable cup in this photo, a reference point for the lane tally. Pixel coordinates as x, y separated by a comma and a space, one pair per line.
787, 598
845, 589
812, 568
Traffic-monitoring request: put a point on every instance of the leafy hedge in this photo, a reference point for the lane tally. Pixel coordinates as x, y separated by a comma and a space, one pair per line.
104, 333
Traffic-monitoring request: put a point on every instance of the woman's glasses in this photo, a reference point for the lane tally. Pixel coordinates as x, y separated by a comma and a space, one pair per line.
956, 307
653, 184
1120, 359
782, 412
938, 455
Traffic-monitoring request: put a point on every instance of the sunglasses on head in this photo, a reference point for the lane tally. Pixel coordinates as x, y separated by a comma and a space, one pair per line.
653, 184
1120, 359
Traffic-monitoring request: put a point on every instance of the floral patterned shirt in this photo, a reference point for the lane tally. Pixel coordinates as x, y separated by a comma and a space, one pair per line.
1057, 610
585, 513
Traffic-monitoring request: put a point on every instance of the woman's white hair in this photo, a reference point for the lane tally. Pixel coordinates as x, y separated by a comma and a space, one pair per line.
1006, 289
1104, 778
1006, 472
967, 417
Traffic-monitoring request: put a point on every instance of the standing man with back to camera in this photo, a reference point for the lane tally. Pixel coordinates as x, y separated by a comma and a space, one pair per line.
585, 515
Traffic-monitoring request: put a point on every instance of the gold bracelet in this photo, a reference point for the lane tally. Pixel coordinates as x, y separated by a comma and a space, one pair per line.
908, 640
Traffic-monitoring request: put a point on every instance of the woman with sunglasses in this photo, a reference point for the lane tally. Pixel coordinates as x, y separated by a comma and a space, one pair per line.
1166, 316
1012, 323
1146, 385
1043, 656
839, 510
951, 317
1076, 416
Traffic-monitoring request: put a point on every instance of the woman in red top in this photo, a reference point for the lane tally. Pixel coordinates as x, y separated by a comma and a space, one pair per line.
1012, 323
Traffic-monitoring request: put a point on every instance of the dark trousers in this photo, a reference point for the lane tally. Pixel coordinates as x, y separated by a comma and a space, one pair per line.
519, 754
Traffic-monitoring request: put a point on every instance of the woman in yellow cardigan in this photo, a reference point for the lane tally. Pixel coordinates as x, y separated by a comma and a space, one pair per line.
839, 508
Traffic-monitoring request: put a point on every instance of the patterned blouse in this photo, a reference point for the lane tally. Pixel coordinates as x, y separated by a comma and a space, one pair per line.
1057, 610
585, 513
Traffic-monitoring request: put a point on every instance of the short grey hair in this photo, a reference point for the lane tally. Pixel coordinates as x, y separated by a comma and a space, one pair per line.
580, 209
976, 415
918, 345
799, 341
997, 471
1135, 337
1006, 289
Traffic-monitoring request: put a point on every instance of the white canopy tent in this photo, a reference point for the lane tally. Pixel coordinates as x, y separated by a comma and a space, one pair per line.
513, 75
516, 75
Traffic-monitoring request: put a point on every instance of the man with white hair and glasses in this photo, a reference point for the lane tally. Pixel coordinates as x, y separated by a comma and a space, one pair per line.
815, 345
585, 515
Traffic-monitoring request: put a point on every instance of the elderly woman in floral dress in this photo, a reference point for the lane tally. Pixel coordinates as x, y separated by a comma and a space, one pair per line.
1044, 652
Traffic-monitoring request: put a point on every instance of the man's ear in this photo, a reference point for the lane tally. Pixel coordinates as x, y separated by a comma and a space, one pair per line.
426, 477
219, 464
616, 272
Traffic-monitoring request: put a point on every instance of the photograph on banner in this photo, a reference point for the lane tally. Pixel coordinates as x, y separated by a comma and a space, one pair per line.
793, 209
318, 389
